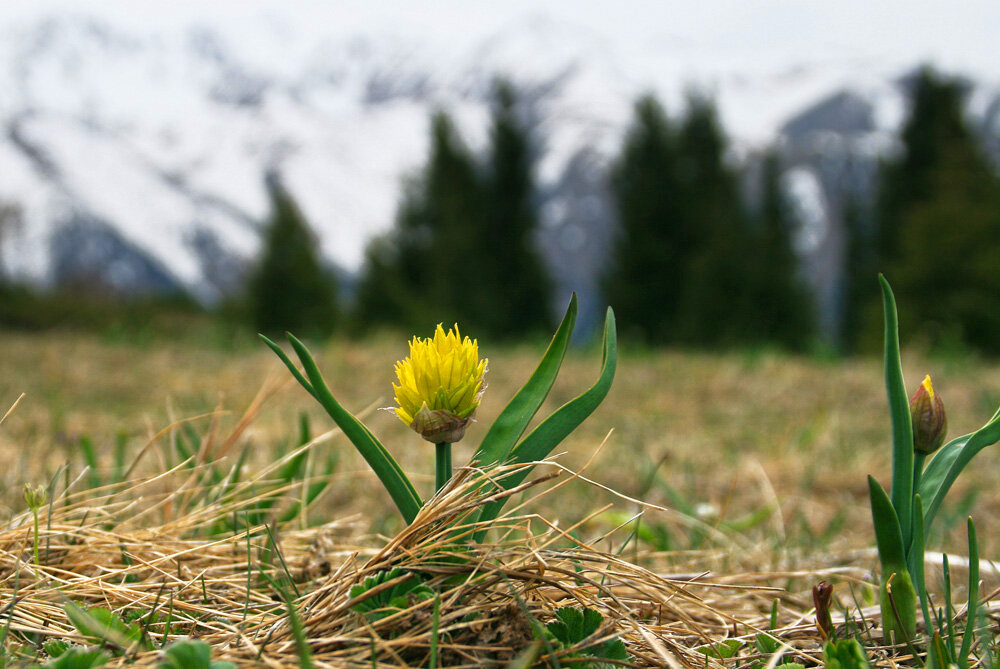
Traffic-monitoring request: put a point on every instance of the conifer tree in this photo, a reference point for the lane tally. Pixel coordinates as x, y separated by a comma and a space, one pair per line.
289, 290
715, 304
780, 299
939, 222
861, 296
648, 261
419, 275
513, 292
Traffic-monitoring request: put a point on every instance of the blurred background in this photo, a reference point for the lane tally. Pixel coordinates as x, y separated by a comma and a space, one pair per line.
729, 175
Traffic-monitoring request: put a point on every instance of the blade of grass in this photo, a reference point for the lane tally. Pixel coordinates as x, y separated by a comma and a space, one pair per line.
540, 442
168, 622
970, 619
298, 632
512, 421
384, 465
916, 560
949, 609
290, 365
899, 411
435, 625
281, 559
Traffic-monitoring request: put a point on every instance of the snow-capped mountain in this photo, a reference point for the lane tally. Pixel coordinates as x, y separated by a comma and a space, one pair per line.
135, 137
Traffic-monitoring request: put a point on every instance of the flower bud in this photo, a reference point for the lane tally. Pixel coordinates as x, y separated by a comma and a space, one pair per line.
35, 496
822, 597
930, 423
439, 426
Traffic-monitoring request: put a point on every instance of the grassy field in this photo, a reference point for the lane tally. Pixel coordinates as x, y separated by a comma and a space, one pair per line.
757, 459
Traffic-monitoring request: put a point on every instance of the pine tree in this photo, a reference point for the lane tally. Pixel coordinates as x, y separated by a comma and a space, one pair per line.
512, 295
648, 261
780, 299
939, 223
289, 290
859, 289
715, 304
420, 274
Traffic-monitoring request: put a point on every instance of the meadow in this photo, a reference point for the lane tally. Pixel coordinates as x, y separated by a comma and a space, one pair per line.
752, 465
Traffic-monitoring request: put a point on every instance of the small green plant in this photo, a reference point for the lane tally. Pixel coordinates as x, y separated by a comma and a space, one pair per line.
576, 629
844, 654
903, 518
35, 497
766, 642
723, 650
409, 590
439, 405
105, 628
191, 654
77, 658
948, 647
55, 647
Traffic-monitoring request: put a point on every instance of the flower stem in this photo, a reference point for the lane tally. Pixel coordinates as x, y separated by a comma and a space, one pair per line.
35, 514
918, 469
443, 469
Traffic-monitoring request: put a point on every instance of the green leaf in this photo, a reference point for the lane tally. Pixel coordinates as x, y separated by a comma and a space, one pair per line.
970, 623
844, 654
290, 365
382, 463
574, 626
512, 421
314, 490
938, 653
191, 654
102, 626
400, 596
79, 658
916, 560
540, 442
887, 533
55, 647
949, 462
899, 411
766, 644
723, 650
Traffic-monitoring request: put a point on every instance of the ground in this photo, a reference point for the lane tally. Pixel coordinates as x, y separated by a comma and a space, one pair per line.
753, 465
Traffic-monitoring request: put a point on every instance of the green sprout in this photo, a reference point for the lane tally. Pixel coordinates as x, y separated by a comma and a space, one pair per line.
35, 497
904, 518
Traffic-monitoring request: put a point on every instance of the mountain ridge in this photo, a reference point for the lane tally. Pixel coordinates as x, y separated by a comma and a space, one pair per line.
159, 138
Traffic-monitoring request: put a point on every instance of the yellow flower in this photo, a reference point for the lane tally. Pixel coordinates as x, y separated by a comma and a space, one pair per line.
440, 385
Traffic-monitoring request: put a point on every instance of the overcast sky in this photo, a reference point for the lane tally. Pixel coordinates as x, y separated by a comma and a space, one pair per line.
710, 34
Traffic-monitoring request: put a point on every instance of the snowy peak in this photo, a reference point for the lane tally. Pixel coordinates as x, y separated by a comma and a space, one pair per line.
150, 134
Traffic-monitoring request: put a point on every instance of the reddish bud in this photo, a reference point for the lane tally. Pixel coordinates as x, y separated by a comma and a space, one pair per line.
822, 596
930, 423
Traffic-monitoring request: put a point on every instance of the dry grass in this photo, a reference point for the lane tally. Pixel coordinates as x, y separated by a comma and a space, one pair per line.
742, 462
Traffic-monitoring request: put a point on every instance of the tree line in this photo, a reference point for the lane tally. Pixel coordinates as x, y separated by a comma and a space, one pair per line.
692, 263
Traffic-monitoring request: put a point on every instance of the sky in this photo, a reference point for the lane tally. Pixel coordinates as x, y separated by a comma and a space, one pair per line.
707, 35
